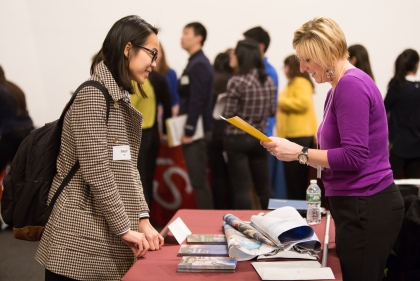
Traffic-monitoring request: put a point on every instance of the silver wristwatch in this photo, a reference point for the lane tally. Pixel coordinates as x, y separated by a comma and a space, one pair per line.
303, 156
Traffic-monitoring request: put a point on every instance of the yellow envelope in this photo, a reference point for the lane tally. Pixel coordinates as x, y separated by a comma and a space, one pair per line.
246, 127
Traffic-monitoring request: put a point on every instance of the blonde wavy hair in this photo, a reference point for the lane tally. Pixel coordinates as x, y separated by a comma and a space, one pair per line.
322, 41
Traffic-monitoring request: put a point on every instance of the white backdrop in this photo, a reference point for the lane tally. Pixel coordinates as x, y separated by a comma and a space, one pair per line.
46, 46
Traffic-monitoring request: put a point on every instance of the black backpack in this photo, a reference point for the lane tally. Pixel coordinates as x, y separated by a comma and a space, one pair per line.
28, 181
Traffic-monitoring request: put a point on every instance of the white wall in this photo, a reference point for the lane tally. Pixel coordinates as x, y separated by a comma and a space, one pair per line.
46, 46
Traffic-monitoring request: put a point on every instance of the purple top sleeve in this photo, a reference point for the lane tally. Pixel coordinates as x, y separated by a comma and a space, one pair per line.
355, 134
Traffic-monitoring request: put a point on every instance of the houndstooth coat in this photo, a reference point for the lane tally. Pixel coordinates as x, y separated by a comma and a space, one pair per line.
105, 197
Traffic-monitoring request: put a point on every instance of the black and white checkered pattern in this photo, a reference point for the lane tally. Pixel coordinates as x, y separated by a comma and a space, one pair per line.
105, 197
249, 99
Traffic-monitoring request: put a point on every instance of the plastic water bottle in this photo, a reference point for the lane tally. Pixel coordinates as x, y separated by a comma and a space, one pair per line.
313, 199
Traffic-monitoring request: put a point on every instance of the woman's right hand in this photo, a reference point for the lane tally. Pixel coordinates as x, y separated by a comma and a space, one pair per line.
137, 243
283, 149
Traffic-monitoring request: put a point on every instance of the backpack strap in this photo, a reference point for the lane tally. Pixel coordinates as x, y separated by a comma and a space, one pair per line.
76, 166
88, 83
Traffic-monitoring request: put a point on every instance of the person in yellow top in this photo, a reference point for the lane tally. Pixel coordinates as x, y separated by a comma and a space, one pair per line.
296, 121
157, 91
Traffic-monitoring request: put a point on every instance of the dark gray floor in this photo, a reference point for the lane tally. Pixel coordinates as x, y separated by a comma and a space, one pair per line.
17, 262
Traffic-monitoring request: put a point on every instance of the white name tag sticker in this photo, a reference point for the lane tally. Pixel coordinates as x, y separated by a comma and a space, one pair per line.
185, 80
121, 152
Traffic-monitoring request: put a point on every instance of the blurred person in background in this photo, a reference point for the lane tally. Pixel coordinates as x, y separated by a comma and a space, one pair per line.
359, 57
195, 93
170, 75
262, 37
402, 103
296, 121
15, 122
157, 91
218, 167
251, 95
276, 169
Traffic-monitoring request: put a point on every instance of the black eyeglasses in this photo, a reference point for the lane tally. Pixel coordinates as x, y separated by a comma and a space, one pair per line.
154, 53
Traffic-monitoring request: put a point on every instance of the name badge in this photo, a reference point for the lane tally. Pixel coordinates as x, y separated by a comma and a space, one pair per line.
121, 152
185, 80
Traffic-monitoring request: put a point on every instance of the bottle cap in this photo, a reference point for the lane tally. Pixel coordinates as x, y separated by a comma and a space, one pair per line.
313, 181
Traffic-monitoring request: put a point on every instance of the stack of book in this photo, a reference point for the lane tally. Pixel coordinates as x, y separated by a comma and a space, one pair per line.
206, 253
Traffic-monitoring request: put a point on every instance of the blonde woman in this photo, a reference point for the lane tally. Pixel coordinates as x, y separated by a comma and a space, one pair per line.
364, 201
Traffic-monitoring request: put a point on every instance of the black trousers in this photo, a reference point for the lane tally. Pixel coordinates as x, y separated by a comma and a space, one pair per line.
366, 229
404, 168
195, 157
146, 162
51, 276
219, 174
247, 166
9, 145
297, 174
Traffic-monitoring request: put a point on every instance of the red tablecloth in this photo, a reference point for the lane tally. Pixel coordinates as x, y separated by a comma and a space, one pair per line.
162, 264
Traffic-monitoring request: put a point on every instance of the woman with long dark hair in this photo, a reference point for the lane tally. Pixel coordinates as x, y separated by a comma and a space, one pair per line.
15, 123
296, 121
359, 57
100, 221
251, 95
163, 68
402, 103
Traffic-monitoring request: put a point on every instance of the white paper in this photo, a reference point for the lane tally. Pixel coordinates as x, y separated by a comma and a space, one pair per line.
175, 129
415, 182
121, 152
179, 230
185, 80
294, 270
278, 222
219, 106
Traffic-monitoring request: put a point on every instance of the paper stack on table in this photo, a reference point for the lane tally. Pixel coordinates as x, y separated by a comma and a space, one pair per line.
292, 270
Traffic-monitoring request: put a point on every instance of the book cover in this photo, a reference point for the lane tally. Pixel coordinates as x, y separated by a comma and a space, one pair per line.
203, 250
210, 239
207, 264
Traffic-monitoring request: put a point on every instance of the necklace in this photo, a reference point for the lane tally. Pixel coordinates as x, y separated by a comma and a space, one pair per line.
327, 110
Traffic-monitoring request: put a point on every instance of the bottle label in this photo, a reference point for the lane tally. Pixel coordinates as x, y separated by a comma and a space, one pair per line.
313, 198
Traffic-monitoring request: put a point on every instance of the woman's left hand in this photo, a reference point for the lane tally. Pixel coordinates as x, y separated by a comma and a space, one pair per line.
153, 237
282, 149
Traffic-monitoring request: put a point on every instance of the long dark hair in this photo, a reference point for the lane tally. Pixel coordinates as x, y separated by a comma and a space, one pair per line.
16, 93
407, 61
362, 59
294, 69
249, 57
128, 29
163, 66
221, 63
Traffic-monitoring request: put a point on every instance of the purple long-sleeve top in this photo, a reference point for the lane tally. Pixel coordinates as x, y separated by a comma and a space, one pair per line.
355, 133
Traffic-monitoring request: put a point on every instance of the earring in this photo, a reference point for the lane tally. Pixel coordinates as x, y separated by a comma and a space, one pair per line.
330, 73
